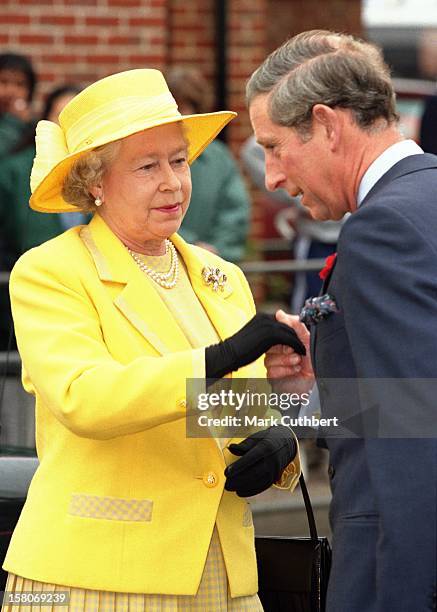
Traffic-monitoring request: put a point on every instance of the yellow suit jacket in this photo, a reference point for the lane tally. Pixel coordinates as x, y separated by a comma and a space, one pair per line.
122, 499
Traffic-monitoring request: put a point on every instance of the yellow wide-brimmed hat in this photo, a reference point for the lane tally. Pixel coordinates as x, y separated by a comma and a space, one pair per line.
115, 107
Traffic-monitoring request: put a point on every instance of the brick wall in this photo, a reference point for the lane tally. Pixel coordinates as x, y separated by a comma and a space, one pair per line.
82, 40
191, 35
246, 50
289, 17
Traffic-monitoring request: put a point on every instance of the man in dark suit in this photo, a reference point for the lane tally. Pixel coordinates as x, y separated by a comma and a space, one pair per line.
323, 108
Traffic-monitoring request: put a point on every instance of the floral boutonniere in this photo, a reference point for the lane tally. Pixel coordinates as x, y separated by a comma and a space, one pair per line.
317, 308
329, 264
214, 277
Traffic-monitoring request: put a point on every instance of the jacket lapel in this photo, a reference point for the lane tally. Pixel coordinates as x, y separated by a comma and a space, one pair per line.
226, 317
135, 296
133, 292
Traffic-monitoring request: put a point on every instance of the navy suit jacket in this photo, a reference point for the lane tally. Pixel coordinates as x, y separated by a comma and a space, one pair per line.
384, 510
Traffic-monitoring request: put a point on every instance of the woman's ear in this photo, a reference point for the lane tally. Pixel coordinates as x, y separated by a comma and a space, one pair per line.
97, 191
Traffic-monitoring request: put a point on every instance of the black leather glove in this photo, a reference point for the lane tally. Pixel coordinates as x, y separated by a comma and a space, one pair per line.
258, 335
264, 455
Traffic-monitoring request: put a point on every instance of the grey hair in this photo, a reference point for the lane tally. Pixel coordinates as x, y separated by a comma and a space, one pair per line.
323, 67
86, 172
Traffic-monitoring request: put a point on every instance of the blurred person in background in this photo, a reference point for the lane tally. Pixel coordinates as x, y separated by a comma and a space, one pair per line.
219, 213
25, 228
428, 126
17, 86
427, 65
21, 227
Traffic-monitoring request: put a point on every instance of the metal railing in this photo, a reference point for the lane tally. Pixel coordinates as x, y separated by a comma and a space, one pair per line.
282, 265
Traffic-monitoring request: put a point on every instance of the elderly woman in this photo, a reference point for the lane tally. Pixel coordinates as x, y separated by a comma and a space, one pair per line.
125, 511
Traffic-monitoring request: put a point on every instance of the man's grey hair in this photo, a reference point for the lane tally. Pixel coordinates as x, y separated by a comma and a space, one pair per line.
323, 67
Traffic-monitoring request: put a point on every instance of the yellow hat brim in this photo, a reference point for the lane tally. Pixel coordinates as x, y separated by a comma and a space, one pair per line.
199, 129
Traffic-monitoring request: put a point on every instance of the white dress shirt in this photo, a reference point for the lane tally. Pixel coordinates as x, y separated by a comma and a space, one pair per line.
383, 163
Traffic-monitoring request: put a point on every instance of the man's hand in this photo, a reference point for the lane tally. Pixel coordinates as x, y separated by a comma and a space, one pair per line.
287, 370
248, 344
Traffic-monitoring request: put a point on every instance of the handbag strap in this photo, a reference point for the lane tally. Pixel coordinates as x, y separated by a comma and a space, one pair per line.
308, 508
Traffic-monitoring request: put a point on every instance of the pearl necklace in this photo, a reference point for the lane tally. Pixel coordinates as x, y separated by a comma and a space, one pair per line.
161, 278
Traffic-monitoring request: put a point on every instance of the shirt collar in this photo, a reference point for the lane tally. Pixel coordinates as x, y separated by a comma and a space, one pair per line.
383, 163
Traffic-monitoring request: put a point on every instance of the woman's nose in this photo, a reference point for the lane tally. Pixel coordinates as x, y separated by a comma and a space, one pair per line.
170, 180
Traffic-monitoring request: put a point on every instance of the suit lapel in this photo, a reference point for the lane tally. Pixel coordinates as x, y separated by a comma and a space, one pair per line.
407, 165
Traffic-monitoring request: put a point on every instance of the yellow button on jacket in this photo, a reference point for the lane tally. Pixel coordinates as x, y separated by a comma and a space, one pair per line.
122, 499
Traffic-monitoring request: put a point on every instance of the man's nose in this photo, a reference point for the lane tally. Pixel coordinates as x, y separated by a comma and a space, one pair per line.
274, 178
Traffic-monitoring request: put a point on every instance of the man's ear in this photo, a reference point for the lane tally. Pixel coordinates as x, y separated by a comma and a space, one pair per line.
329, 121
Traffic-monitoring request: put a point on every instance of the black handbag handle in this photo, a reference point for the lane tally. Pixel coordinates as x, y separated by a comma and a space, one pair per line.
308, 508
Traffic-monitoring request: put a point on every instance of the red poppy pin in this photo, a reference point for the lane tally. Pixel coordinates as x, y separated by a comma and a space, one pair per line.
329, 264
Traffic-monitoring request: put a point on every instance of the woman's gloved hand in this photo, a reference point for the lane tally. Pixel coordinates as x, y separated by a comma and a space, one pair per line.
258, 335
263, 456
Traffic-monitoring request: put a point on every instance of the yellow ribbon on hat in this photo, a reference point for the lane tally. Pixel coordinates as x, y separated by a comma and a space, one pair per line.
110, 117
51, 149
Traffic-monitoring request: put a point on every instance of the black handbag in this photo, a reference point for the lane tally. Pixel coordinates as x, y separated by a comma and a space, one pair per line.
293, 572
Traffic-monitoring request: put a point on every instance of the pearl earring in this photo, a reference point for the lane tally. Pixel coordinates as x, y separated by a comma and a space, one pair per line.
98, 201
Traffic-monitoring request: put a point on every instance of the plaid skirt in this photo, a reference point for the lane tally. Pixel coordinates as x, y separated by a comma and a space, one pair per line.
213, 594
